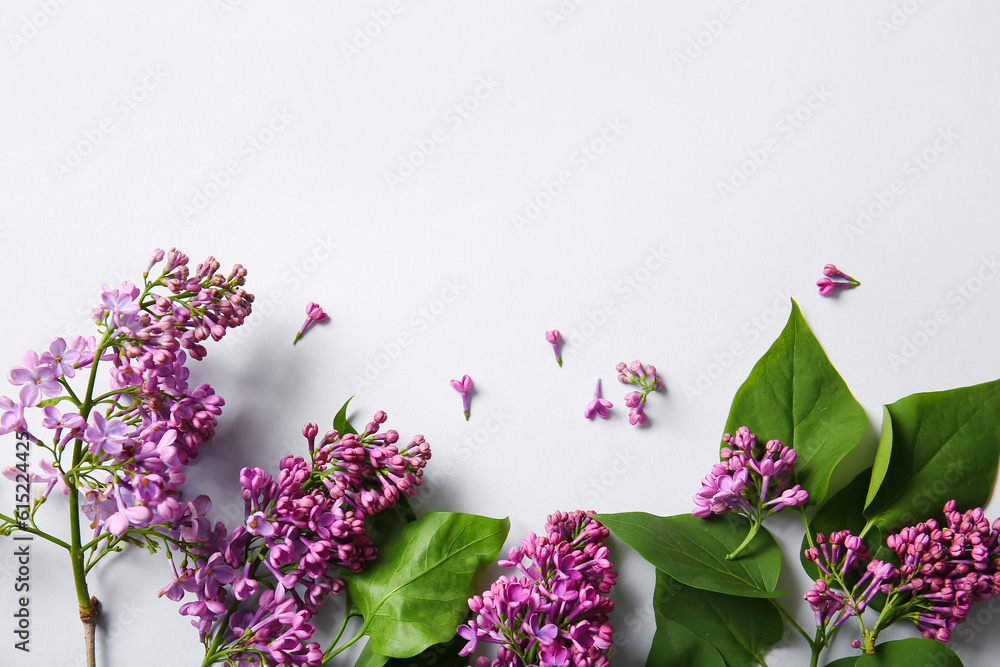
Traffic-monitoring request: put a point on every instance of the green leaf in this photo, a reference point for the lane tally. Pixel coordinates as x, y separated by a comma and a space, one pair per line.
882, 457
693, 551
944, 445
741, 629
52, 401
676, 646
340, 423
904, 652
416, 594
794, 394
368, 658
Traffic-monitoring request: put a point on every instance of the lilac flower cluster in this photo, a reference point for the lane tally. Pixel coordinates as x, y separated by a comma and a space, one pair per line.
645, 377
751, 480
135, 439
948, 569
831, 598
257, 590
556, 613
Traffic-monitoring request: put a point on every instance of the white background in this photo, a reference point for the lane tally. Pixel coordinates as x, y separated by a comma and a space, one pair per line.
117, 119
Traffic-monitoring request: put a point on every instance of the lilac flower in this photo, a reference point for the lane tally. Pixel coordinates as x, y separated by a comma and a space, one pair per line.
36, 377
61, 358
556, 339
107, 435
556, 611
831, 271
257, 524
827, 286
54, 420
314, 313
643, 376
11, 416
464, 387
135, 515
751, 481
597, 406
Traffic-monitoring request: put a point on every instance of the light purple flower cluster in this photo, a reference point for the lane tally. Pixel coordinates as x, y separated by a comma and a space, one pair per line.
556, 613
137, 437
948, 569
836, 558
258, 589
751, 480
645, 377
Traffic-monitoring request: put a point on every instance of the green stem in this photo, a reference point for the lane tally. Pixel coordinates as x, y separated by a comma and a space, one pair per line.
793, 623
35, 531
805, 524
753, 533
817, 647
331, 656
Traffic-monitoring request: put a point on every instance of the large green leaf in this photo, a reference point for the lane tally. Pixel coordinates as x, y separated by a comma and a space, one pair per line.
904, 652
741, 629
416, 594
944, 445
794, 394
882, 456
693, 551
676, 646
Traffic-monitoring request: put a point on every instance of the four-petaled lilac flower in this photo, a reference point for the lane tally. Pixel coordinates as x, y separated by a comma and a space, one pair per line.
109, 435
314, 313
54, 420
213, 573
555, 338
464, 387
122, 304
597, 406
37, 378
257, 524
61, 358
135, 515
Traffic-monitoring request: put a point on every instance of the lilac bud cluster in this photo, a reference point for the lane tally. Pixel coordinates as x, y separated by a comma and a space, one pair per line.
646, 378
838, 557
556, 613
750, 480
265, 582
948, 568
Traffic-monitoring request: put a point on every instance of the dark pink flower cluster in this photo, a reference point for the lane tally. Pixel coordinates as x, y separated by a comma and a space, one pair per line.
556, 613
751, 479
268, 579
647, 380
948, 569
836, 557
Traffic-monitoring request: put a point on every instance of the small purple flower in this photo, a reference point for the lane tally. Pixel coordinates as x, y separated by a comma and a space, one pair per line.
11, 416
555, 338
61, 358
53, 420
643, 376
314, 313
597, 406
213, 573
36, 377
135, 515
464, 387
257, 524
109, 435
827, 286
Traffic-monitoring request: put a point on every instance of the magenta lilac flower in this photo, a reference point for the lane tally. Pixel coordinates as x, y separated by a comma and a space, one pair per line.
646, 379
597, 405
464, 387
827, 285
751, 480
555, 339
301, 528
555, 609
314, 313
